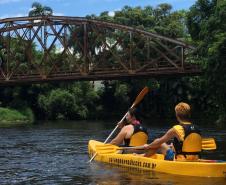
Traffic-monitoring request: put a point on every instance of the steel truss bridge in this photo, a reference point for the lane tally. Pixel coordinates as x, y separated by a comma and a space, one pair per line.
51, 48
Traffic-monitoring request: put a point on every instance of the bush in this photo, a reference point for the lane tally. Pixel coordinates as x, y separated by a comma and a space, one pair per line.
10, 115
59, 104
70, 101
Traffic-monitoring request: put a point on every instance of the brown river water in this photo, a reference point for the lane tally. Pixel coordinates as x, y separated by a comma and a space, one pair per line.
52, 153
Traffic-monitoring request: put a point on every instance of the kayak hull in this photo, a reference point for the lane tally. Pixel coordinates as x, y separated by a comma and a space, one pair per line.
202, 168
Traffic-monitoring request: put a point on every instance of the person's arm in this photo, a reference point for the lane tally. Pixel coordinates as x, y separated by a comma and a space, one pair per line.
120, 137
121, 124
157, 142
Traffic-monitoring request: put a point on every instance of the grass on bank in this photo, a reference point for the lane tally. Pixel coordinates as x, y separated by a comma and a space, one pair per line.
11, 116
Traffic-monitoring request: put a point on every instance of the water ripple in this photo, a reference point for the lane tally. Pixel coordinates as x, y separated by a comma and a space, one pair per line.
56, 153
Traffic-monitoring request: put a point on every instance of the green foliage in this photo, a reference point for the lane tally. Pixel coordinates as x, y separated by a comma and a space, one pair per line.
71, 101
121, 94
10, 115
28, 113
58, 103
39, 9
160, 19
121, 91
206, 23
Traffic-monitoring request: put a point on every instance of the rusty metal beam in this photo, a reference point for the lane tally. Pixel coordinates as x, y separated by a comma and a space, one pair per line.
89, 55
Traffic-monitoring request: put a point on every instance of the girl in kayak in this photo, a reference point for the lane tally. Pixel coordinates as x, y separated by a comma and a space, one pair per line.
187, 141
132, 132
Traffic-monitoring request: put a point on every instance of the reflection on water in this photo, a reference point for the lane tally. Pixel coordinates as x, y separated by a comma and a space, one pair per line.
56, 153
103, 174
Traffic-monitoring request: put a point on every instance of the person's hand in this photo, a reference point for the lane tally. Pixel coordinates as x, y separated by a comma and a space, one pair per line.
121, 124
171, 146
146, 146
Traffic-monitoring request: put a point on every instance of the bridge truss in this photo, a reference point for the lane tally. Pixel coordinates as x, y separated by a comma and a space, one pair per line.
51, 48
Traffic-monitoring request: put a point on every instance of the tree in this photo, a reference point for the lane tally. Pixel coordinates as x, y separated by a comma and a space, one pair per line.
69, 101
206, 24
38, 9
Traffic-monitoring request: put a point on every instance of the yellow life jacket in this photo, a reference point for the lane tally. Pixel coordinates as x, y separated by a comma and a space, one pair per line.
190, 140
138, 138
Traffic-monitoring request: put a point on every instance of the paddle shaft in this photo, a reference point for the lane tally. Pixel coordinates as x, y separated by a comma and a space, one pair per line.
132, 148
207, 144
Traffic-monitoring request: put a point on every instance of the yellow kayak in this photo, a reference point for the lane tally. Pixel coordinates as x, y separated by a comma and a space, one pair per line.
110, 154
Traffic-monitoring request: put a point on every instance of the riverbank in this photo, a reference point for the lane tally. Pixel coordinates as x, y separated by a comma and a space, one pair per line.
12, 117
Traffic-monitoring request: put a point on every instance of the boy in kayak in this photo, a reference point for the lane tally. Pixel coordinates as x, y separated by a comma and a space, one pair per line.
187, 141
132, 132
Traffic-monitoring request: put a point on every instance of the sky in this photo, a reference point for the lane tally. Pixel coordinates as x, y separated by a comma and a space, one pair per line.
81, 8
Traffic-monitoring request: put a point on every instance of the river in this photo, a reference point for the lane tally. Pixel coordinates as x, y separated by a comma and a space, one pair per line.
56, 153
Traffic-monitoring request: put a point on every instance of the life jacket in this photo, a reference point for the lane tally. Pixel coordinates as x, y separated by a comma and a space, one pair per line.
139, 136
190, 142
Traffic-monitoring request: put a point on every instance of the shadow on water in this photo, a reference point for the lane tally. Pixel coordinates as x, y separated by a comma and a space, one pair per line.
56, 153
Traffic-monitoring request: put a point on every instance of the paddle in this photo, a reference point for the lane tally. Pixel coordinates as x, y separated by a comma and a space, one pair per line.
208, 144
109, 148
137, 100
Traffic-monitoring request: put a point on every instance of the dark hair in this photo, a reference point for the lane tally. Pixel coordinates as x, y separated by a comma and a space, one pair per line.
135, 113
